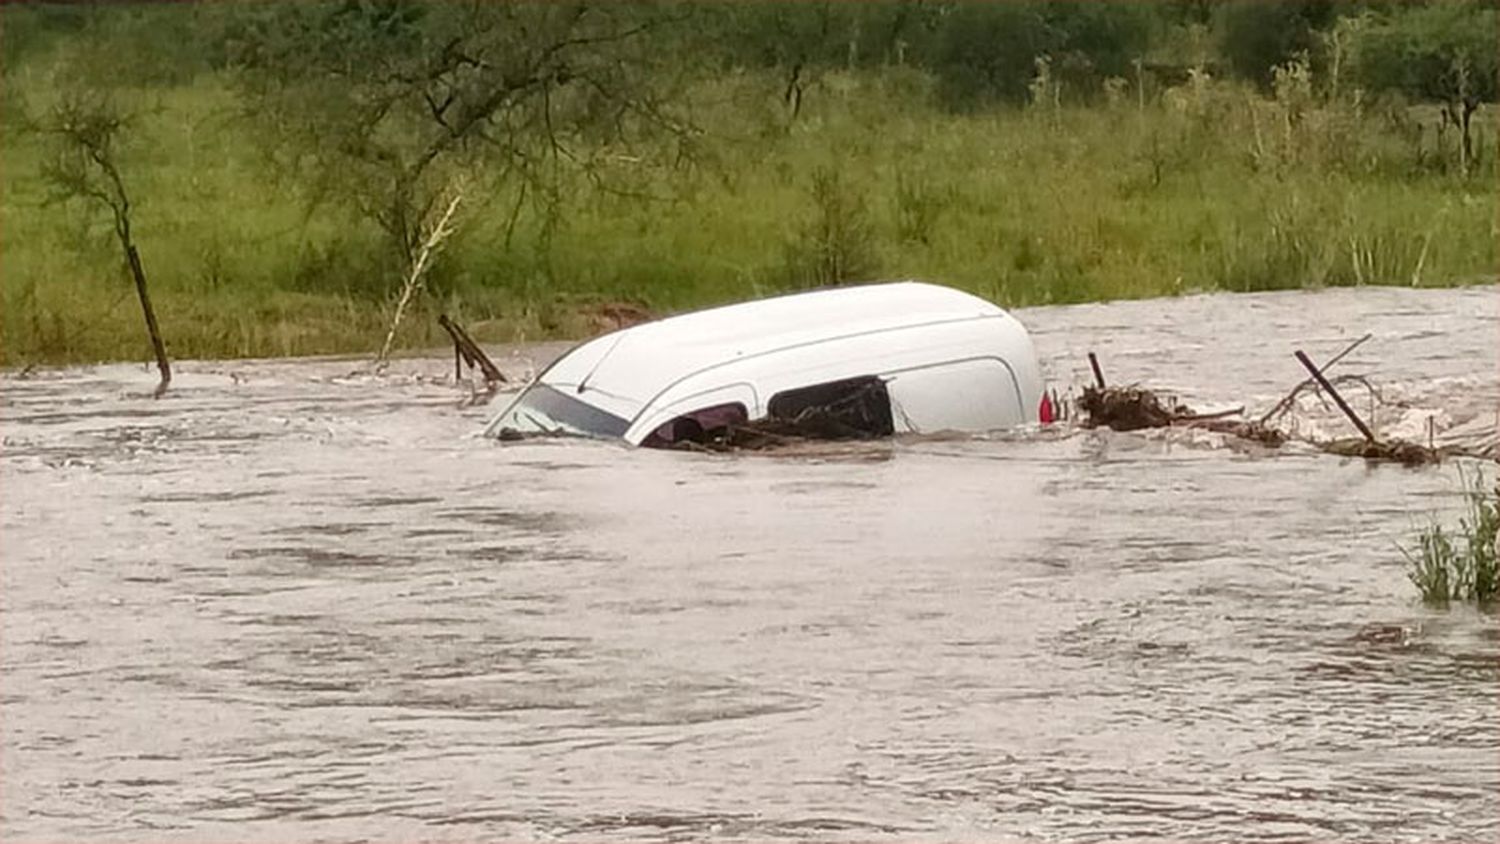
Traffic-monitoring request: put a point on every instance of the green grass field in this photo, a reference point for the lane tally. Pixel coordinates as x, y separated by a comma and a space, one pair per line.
1209, 187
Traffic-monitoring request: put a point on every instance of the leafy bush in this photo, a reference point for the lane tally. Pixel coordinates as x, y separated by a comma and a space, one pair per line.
988, 52
1444, 52
1439, 52
1256, 36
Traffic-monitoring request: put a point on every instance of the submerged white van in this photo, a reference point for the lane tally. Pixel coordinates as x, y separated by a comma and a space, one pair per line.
873, 360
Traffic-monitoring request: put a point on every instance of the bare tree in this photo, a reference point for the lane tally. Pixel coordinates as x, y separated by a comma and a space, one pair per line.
86, 131
381, 106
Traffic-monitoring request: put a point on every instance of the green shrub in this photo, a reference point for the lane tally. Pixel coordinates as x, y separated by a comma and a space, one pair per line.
1256, 36
835, 244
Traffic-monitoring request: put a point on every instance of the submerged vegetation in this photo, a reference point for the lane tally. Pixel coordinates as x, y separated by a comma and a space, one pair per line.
1460, 565
287, 160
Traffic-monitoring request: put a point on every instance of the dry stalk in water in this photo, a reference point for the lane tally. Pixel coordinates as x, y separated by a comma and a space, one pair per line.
415, 276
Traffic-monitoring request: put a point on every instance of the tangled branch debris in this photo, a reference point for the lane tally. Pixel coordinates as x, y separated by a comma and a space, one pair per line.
1128, 408
1135, 408
1400, 451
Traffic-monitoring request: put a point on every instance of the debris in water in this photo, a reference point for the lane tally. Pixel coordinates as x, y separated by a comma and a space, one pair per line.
1253, 431
1135, 408
1322, 380
1128, 408
1400, 451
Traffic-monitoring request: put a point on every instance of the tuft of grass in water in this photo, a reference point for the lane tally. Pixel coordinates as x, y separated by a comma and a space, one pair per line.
1460, 566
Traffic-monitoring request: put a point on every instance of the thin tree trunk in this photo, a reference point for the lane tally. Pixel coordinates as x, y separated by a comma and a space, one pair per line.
1468, 138
157, 345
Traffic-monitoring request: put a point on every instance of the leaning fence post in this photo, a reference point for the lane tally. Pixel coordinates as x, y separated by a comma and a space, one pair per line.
1098, 373
464, 345
1317, 375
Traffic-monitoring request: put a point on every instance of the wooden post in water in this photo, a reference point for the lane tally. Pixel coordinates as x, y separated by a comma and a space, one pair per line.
1317, 375
1292, 396
465, 347
1098, 373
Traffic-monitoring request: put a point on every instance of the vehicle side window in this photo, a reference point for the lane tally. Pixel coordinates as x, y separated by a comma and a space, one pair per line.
850, 408
970, 395
698, 426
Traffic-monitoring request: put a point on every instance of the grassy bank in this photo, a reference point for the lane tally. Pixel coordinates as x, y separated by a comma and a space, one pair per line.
1206, 186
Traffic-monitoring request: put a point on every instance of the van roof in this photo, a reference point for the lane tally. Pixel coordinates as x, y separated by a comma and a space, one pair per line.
624, 370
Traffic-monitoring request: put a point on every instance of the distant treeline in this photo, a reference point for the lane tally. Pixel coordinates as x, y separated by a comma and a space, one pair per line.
979, 52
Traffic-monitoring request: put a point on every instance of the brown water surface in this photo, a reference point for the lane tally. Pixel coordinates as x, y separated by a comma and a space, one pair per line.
288, 602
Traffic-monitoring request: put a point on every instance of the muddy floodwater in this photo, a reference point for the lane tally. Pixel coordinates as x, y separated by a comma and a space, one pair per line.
295, 602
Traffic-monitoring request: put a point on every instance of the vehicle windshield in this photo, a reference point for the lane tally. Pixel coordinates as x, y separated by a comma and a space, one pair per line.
547, 410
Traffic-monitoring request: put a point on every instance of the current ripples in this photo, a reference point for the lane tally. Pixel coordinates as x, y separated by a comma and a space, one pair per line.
293, 602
